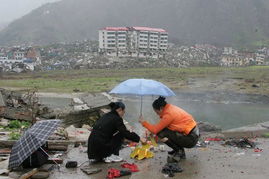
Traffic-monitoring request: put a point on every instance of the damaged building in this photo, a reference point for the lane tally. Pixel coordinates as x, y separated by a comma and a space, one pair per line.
133, 42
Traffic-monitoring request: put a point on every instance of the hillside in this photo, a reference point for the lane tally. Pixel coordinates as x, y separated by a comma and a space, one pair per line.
240, 22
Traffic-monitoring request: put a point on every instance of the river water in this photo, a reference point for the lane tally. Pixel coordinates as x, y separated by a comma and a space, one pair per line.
224, 115
224, 110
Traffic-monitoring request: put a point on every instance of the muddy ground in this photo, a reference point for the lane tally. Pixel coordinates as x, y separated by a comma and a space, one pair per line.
211, 162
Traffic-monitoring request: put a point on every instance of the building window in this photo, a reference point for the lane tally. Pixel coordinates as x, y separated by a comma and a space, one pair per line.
110, 32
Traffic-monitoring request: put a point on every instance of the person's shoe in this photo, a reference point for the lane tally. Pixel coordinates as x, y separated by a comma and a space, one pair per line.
172, 152
107, 159
116, 158
112, 158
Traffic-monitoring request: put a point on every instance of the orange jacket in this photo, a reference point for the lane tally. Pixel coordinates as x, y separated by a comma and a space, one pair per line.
173, 118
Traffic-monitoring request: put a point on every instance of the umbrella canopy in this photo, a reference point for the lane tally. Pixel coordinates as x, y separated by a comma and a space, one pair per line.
33, 138
142, 87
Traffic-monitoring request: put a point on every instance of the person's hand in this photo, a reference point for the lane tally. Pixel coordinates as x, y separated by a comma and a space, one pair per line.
147, 133
141, 119
143, 140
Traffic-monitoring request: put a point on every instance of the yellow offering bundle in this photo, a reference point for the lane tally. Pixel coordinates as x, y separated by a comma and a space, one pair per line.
141, 152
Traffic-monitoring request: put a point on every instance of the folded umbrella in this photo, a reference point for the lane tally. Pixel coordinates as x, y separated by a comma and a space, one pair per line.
33, 138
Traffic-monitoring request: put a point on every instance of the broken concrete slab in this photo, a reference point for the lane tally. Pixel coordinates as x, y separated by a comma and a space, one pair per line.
73, 133
256, 130
96, 100
81, 107
4, 122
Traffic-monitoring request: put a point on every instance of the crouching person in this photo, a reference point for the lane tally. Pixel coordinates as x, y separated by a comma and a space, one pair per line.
176, 128
108, 134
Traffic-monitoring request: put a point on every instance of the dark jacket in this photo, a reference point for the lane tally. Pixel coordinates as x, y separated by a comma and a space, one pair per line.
107, 134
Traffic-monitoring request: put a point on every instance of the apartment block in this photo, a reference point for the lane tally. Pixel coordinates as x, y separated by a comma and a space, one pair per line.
133, 41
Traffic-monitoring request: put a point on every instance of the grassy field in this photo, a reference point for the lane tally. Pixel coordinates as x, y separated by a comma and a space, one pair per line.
100, 80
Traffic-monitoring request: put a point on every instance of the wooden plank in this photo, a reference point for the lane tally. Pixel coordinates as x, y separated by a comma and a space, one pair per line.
7, 143
10, 143
53, 160
29, 174
5, 151
58, 147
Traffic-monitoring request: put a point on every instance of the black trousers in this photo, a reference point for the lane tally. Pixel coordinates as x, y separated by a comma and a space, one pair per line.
100, 147
178, 141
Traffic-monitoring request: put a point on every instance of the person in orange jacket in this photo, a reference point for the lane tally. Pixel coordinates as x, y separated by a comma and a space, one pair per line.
176, 127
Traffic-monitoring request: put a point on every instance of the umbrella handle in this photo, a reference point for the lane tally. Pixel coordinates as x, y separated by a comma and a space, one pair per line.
141, 105
58, 165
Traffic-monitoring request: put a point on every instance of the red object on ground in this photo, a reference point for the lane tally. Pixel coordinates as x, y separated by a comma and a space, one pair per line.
132, 167
213, 139
112, 173
257, 150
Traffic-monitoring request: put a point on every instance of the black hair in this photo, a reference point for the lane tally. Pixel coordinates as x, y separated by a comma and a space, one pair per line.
116, 105
158, 103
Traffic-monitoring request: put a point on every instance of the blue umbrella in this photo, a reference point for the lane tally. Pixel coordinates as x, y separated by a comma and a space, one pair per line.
142, 87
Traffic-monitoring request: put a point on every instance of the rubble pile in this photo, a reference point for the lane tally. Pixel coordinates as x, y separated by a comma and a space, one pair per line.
85, 55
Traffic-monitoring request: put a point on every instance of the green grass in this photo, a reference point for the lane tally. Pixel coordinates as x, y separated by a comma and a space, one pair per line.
99, 80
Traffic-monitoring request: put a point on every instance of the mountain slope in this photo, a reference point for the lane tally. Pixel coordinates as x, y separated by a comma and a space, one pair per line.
221, 22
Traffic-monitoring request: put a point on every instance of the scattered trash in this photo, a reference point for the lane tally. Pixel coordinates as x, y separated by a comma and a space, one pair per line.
171, 168
241, 143
79, 134
257, 150
71, 164
132, 167
202, 144
88, 170
114, 173
213, 139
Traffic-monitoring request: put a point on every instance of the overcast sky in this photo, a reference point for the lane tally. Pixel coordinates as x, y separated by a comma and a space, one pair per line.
13, 9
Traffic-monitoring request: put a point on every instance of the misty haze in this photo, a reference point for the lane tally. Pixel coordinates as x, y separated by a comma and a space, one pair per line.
67, 63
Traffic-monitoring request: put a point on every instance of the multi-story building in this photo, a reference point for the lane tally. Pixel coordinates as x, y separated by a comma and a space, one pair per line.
133, 41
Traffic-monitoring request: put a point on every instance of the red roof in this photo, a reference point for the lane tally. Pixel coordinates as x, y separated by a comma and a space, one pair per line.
149, 29
135, 28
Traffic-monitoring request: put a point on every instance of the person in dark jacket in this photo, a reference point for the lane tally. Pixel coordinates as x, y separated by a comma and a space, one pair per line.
108, 133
